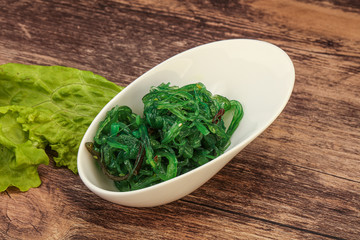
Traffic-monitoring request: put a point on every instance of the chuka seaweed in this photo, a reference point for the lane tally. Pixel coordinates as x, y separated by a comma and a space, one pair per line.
181, 128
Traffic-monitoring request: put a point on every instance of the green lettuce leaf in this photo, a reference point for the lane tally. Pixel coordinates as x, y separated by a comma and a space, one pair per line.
20, 150
44, 106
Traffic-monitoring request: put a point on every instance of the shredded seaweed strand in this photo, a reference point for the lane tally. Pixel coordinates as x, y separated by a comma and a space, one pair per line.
181, 128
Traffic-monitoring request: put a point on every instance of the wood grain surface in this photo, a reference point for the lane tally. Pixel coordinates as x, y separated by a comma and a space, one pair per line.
299, 180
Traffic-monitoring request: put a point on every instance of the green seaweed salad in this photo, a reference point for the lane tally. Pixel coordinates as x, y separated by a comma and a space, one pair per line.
181, 128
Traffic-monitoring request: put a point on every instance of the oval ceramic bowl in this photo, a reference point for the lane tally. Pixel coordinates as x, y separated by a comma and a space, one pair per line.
258, 74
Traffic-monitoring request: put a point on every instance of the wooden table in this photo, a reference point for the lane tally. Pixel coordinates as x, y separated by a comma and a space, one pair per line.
299, 180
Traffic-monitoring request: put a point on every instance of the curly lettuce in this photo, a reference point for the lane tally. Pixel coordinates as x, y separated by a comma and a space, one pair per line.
45, 106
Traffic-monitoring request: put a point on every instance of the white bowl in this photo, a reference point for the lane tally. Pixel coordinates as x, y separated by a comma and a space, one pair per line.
258, 74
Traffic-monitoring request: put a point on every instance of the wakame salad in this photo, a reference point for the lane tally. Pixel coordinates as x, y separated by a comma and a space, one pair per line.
181, 128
